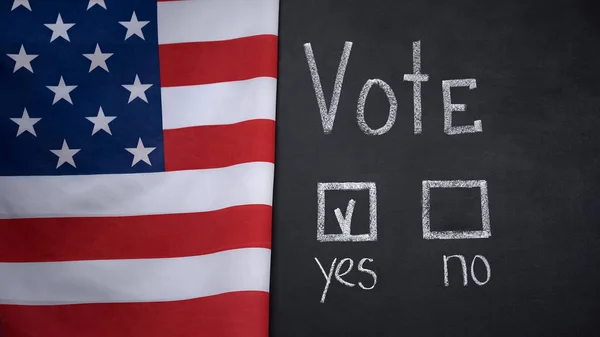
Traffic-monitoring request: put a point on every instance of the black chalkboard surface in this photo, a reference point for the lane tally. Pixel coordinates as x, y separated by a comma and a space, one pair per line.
474, 149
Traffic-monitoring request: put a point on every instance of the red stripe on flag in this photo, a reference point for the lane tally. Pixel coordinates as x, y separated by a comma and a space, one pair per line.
236, 314
216, 146
153, 236
197, 63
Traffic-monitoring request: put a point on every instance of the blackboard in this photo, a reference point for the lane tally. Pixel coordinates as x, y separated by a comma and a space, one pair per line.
531, 71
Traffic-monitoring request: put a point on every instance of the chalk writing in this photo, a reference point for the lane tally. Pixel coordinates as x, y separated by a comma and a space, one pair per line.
367, 271
488, 270
360, 109
327, 115
339, 274
327, 277
486, 230
416, 77
463, 264
345, 221
449, 107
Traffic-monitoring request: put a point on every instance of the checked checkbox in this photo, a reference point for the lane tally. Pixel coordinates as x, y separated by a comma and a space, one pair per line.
344, 220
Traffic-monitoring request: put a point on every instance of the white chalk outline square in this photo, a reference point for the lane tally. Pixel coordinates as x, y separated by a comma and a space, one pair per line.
486, 230
346, 186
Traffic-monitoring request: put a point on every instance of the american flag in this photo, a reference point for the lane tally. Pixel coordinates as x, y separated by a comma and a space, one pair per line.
137, 148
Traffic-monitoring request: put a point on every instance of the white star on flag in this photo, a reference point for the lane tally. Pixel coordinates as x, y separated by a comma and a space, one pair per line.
65, 155
22, 60
93, 3
61, 91
98, 59
137, 89
24, 3
134, 27
140, 153
26, 123
59, 29
101, 122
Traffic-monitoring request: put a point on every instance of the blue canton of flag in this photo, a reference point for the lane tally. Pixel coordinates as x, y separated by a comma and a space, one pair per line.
80, 88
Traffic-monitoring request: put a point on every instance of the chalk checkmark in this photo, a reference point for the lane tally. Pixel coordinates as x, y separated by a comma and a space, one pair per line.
345, 221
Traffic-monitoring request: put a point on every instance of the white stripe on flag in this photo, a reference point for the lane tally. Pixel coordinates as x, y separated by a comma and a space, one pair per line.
138, 280
219, 103
136, 194
213, 20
